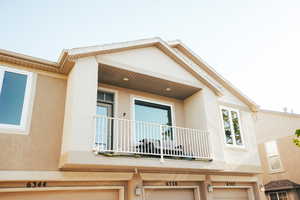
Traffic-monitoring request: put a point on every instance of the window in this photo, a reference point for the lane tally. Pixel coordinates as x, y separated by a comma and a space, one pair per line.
106, 97
273, 156
278, 196
15, 88
152, 115
232, 126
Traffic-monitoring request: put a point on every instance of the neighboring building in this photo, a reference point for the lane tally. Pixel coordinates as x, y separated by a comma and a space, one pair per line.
145, 119
279, 155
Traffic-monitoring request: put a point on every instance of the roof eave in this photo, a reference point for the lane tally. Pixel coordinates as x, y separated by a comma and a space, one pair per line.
117, 47
188, 52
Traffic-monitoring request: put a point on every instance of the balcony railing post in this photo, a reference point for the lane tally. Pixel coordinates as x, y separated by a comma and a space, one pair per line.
95, 148
172, 141
161, 144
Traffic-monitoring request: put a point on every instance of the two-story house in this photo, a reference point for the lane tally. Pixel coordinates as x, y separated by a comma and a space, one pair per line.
279, 155
145, 119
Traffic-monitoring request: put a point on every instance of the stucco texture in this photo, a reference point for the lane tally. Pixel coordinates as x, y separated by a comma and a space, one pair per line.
40, 148
289, 155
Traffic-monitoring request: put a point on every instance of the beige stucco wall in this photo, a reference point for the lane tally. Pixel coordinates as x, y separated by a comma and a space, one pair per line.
151, 61
212, 120
209, 105
249, 154
81, 95
289, 155
125, 98
227, 97
40, 149
280, 127
271, 125
200, 111
194, 109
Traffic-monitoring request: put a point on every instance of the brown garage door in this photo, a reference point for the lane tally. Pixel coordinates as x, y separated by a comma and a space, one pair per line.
232, 194
62, 195
169, 194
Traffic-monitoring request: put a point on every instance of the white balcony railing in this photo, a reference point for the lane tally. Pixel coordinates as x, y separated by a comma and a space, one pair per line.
114, 135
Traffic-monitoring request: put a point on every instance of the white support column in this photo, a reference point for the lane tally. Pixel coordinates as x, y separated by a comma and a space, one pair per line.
80, 106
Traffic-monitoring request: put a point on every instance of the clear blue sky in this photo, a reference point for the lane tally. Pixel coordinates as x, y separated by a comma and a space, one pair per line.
255, 44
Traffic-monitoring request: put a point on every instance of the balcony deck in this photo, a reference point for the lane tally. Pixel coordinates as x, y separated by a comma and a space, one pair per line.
129, 137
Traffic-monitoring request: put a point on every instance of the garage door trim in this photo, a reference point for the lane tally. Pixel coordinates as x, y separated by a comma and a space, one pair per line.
195, 188
119, 188
249, 190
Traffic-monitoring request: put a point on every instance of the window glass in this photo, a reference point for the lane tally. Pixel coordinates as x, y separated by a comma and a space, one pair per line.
109, 97
105, 97
275, 163
154, 115
12, 97
236, 128
273, 196
278, 196
282, 196
227, 126
100, 96
273, 156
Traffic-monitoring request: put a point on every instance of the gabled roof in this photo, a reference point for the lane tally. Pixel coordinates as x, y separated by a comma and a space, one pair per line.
136, 44
66, 62
281, 185
208, 69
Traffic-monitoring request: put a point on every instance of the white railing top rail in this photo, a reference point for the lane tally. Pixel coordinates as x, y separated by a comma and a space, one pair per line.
149, 123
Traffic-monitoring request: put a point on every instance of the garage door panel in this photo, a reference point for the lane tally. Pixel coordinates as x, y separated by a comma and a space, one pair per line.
232, 194
169, 194
63, 195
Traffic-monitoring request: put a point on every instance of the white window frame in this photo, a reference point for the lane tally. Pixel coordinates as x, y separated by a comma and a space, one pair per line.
277, 194
269, 157
22, 127
232, 128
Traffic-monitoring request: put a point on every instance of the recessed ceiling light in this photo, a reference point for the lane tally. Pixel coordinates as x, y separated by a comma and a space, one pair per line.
168, 89
125, 79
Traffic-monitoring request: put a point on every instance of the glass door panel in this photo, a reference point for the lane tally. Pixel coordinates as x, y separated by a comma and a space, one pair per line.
104, 126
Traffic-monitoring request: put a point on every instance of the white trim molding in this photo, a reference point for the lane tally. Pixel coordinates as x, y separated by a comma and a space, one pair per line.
234, 145
248, 188
219, 178
116, 98
171, 177
82, 188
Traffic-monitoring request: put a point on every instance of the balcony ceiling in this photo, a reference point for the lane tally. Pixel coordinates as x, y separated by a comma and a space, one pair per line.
145, 83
